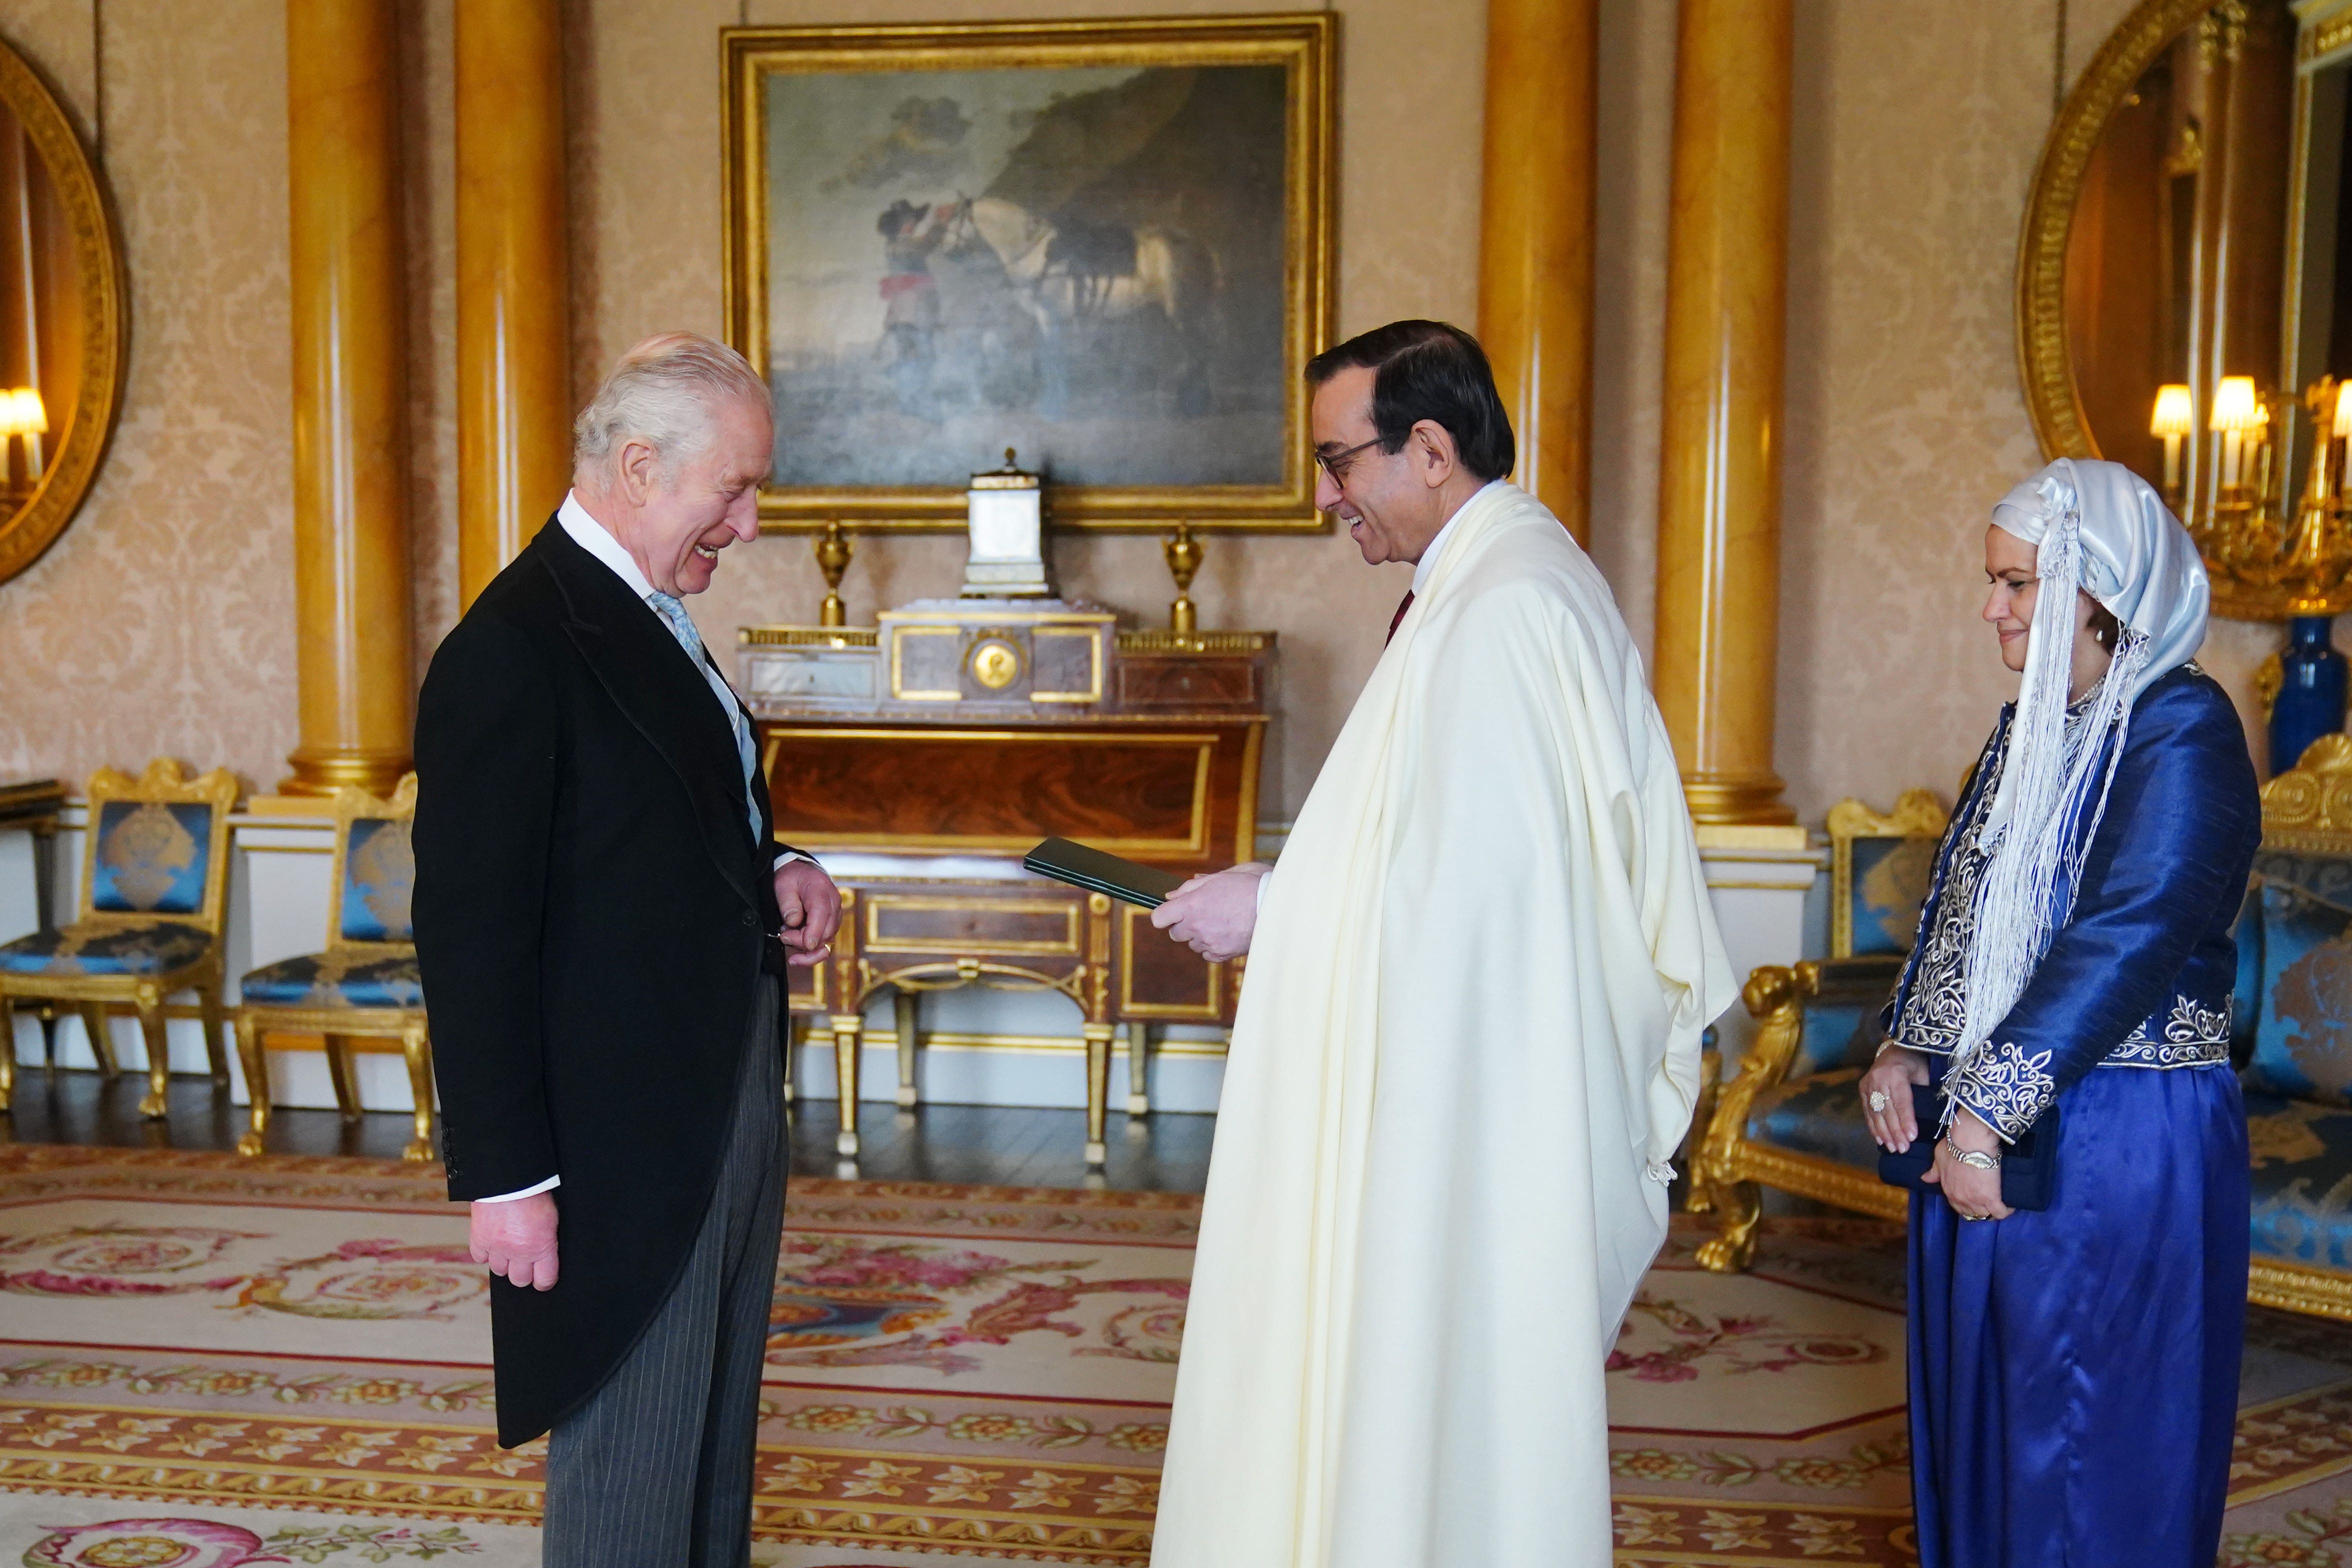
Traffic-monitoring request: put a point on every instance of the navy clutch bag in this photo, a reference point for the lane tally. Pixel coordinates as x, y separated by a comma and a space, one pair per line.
2029, 1167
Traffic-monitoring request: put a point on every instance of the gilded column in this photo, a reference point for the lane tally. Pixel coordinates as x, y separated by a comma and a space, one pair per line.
351, 443
1719, 481
1535, 249
514, 351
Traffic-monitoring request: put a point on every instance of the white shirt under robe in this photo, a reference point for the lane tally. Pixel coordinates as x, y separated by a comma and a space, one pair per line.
1468, 1046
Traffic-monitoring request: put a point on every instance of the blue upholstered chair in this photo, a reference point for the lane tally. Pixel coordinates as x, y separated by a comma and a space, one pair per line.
1792, 1117
154, 897
2294, 1035
365, 985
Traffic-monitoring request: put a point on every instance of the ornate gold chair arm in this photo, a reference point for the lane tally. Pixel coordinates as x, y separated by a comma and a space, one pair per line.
1775, 998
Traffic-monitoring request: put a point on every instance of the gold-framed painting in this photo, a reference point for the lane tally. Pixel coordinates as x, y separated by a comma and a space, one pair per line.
1106, 245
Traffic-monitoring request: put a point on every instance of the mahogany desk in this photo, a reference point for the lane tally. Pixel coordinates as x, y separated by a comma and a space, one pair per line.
928, 754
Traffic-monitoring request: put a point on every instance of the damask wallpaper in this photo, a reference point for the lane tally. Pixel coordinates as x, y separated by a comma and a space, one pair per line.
163, 620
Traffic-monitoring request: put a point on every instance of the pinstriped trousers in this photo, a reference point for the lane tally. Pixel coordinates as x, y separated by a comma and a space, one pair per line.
654, 1469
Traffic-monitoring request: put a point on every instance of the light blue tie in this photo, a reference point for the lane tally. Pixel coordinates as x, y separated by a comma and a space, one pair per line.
682, 627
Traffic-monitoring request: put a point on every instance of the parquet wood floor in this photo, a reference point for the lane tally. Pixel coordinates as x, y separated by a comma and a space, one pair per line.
997, 1145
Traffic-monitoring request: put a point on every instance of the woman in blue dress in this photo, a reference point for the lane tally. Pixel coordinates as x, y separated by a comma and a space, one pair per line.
2075, 1371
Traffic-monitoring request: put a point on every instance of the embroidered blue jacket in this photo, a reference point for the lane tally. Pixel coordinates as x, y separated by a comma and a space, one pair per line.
2140, 973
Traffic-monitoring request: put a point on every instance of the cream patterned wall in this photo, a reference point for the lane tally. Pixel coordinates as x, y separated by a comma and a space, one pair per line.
163, 620
1917, 127
1916, 135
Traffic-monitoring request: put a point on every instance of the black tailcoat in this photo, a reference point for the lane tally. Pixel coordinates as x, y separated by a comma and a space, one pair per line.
594, 914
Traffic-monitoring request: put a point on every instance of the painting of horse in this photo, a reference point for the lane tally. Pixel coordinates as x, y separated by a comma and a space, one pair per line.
1097, 264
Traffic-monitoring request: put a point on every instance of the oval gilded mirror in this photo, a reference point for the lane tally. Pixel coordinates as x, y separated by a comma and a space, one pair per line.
64, 316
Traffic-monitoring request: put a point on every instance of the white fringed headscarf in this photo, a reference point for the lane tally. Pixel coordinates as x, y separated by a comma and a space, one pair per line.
2099, 527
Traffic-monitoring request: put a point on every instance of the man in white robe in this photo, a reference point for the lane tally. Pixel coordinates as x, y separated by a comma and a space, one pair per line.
1467, 1046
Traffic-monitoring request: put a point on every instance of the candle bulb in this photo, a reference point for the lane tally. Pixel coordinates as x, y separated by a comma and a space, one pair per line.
2340, 428
2174, 418
2236, 410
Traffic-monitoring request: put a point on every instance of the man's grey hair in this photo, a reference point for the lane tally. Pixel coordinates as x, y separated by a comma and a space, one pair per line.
665, 392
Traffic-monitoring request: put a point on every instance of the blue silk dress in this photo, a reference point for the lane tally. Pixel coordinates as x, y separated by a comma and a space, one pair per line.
2074, 1372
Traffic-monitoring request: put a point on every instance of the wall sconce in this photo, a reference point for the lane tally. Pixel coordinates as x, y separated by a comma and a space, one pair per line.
2175, 417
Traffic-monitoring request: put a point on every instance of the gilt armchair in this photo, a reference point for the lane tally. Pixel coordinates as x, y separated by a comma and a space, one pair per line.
1792, 1119
155, 900
364, 985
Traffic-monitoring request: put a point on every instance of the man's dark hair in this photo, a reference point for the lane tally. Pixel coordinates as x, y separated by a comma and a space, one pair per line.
1428, 370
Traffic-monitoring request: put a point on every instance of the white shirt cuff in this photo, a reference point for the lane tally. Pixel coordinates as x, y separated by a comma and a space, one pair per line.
1264, 877
548, 1186
786, 858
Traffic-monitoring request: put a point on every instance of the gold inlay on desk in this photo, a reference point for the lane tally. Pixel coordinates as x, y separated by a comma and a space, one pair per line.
972, 728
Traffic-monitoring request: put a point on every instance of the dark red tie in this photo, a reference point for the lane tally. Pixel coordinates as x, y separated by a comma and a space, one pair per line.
1398, 619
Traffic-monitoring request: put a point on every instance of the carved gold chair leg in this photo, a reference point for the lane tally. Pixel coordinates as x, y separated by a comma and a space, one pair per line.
344, 1069
257, 1084
42, 1010
208, 1001
1098, 1091
418, 1048
101, 1040
1139, 1068
906, 1007
845, 1029
1700, 1197
1733, 1246
155, 1032
7, 1056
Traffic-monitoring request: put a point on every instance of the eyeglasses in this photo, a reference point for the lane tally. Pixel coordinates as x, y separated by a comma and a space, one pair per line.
1340, 464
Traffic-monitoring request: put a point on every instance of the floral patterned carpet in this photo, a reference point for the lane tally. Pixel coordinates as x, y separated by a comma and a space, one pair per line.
207, 1362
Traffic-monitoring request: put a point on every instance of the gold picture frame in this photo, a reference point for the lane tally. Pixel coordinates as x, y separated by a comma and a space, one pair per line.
100, 320
985, 265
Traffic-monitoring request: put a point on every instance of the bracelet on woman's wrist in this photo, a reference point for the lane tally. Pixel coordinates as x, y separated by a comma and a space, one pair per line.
1970, 1157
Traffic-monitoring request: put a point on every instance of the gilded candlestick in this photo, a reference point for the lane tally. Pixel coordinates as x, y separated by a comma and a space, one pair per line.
1183, 552
833, 554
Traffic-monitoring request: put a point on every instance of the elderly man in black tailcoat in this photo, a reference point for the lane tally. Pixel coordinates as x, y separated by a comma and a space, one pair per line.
603, 918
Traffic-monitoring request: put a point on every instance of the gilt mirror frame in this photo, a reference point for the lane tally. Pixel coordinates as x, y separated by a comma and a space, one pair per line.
89, 207
2052, 397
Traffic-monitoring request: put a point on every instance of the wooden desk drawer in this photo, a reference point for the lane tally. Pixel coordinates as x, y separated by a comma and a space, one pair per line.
1168, 796
1176, 683
981, 927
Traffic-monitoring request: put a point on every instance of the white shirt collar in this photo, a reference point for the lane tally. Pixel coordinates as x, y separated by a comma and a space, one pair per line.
591, 536
1428, 562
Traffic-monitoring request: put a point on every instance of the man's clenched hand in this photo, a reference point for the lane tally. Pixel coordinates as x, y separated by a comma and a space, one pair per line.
810, 905
516, 1238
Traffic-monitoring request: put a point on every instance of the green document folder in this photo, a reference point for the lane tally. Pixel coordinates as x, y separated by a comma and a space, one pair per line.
1097, 872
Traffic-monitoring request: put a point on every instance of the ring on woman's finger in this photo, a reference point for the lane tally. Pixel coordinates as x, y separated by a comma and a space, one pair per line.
1879, 1100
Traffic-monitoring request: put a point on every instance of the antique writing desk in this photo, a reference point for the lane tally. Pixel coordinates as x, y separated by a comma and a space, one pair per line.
925, 755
